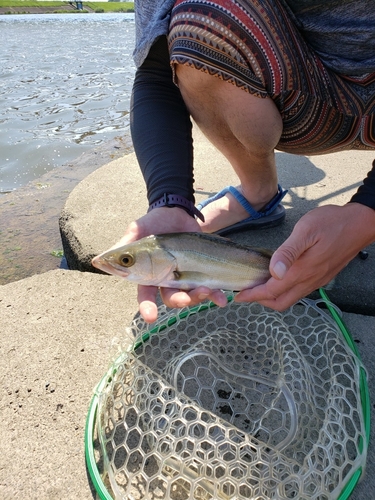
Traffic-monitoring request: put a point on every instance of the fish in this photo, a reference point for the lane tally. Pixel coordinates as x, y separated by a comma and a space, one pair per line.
186, 261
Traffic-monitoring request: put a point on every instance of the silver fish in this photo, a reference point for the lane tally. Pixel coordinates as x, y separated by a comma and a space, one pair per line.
186, 261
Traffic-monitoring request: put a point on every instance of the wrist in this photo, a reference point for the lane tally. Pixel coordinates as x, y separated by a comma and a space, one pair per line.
365, 194
176, 200
168, 220
363, 221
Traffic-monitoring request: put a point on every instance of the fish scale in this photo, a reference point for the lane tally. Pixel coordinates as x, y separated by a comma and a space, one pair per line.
186, 261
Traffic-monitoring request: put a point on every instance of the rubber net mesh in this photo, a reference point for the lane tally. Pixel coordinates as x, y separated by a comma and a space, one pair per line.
232, 403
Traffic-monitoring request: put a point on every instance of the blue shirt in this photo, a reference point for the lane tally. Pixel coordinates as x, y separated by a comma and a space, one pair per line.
341, 32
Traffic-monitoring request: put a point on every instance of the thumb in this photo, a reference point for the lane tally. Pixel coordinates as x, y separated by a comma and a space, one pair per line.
133, 232
286, 255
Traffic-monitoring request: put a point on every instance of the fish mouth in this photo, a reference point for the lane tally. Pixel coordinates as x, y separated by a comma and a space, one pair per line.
108, 268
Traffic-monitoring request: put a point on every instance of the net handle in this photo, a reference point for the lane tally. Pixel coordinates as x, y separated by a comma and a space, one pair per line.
91, 465
363, 387
335, 313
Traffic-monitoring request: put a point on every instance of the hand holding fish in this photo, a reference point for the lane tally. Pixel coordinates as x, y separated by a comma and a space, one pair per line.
320, 246
164, 220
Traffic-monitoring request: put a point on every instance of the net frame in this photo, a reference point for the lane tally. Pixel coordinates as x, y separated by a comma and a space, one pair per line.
104, 491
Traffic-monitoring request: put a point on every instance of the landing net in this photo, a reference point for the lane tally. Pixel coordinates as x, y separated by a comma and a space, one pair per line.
232, 403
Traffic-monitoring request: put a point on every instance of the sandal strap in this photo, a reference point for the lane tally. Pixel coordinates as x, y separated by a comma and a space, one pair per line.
267, 210
270, 207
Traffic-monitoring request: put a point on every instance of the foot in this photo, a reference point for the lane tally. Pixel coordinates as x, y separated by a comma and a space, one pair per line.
225, 212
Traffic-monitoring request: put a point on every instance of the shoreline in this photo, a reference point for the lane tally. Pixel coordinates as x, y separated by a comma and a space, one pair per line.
64, 8
30, 241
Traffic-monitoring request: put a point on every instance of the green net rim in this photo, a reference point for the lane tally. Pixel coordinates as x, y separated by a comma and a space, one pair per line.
92, 468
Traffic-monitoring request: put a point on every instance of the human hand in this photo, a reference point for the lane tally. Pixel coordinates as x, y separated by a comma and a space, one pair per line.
322, 243
159, 221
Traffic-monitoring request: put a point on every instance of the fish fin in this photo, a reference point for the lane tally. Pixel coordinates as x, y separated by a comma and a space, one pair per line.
189, 279
180, 275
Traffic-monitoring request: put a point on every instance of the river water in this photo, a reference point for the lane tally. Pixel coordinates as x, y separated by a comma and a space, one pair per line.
65, 85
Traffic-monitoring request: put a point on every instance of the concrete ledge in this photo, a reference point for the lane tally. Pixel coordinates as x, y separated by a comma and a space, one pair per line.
99, 209
59, 336
57, 331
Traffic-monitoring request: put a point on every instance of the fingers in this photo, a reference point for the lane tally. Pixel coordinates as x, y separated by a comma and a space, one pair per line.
147, 303
296, 272
219, 298
158, 221
272, 295
292, 272
176, 298
288, 253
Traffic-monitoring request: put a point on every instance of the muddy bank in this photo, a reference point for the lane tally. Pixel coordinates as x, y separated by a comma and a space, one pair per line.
64, 8
29, 233
42, 10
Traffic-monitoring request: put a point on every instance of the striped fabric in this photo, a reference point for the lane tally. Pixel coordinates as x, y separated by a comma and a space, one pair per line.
254, 45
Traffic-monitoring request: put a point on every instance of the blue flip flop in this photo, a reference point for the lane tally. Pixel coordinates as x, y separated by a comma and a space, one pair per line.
272, 215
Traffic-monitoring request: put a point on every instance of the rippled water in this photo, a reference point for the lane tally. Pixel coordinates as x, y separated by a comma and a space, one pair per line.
65, 84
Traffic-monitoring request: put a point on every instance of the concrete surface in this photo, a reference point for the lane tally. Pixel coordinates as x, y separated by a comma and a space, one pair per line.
100, 207
57, 342
60, 328
59, 335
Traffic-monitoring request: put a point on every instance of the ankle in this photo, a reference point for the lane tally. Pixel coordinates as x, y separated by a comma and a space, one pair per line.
259, 197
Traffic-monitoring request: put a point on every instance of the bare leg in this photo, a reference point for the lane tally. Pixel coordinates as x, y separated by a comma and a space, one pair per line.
245, 128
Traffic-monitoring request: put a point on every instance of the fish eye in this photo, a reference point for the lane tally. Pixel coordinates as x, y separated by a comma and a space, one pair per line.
127, 260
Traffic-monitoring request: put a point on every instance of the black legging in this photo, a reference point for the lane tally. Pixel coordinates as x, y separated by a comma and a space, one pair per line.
161, 128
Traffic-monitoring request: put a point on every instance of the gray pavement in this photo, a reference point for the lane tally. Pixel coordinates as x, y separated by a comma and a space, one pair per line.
60, 329
100, 207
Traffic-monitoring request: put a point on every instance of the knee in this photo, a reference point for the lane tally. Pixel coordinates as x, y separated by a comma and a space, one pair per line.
192, 80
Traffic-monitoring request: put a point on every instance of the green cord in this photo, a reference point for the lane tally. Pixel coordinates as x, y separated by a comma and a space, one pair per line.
95, 476
363, 388
339, 321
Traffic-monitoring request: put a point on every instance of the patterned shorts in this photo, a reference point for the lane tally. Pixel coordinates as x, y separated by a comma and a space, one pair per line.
254, 45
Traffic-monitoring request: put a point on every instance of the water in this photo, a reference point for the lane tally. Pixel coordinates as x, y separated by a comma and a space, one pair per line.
65, 85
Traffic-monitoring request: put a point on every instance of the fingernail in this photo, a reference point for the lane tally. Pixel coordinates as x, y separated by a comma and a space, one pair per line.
202, 296
147, 311
279, 269
180, 305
